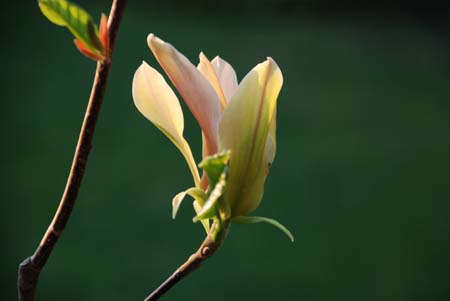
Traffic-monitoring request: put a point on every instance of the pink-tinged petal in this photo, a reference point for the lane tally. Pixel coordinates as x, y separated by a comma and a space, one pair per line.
207, 69
204, 178
158, 103
195, 89
226, 75
244, 130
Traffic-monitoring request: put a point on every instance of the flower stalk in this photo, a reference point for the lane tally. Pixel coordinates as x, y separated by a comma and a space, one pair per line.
209, 246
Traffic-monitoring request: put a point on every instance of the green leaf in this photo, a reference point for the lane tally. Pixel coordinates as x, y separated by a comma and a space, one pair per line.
259, 219
198, 194
76, 19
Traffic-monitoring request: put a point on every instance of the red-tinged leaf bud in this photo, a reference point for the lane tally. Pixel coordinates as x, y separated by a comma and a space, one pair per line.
104, 34
84, 50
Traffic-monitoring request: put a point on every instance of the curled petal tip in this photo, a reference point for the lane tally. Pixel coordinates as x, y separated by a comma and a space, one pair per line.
226, 75
274, 68
207, 69
201, 57
152, 40
271, 60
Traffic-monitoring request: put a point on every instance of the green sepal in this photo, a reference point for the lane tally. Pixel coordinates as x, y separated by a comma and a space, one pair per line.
214, 166
259, 219
196, 193
76, 19
216, 169
209, 209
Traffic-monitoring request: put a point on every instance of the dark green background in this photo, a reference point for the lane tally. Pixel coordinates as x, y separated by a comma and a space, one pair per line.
361, 175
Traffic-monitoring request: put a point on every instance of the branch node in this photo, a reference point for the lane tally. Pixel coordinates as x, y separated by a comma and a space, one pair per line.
206, 251
30, 268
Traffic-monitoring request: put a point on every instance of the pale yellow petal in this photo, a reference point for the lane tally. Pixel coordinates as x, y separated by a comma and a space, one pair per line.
206, 68
244, 130
227, 77
271, 143
158, 103
195, 89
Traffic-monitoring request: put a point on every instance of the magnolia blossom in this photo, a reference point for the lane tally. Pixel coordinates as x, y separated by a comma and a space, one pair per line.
240, 118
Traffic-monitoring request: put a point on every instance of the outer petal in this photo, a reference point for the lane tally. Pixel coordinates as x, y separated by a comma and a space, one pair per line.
158, 103
195, 89
198, 194
226, 75
207, 69
244, 130
271, 143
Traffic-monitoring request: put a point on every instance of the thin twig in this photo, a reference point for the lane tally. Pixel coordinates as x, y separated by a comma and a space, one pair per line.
206, 250
30, 268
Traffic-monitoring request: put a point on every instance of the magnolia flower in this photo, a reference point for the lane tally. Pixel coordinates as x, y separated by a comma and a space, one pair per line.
238, 120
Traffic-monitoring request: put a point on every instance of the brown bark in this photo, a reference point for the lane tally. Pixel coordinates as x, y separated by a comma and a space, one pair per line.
30, 268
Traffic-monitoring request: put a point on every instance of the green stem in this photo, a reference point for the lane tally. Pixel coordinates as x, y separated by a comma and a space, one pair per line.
219, 230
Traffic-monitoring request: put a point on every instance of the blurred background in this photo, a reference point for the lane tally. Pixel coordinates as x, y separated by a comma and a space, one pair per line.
361, 175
